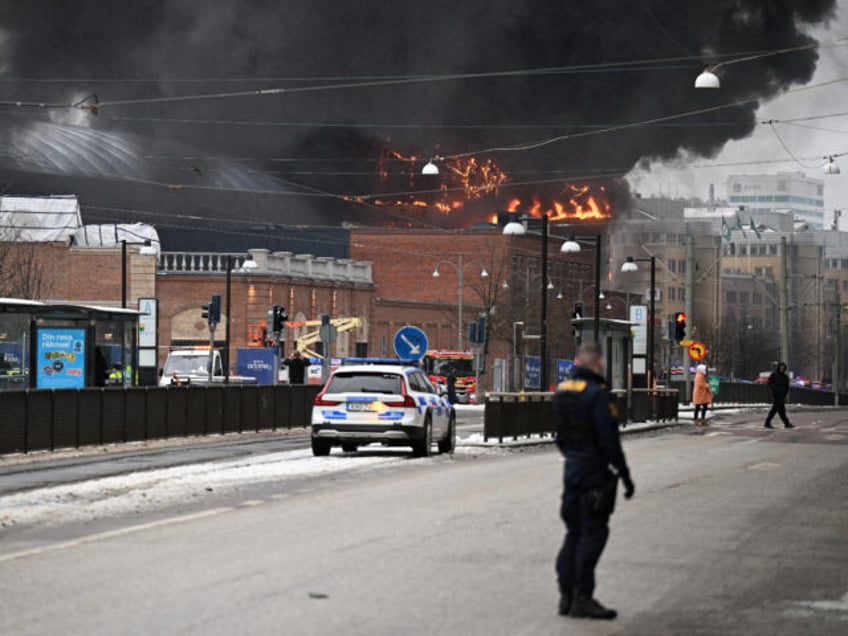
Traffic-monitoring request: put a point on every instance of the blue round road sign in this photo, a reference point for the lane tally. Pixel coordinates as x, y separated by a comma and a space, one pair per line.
410, 343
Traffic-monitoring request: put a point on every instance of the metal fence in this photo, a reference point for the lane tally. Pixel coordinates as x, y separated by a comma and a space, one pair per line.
51, 419
525, 414
747, 393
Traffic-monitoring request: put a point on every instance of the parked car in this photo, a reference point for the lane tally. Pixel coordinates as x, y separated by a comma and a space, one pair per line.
395, 405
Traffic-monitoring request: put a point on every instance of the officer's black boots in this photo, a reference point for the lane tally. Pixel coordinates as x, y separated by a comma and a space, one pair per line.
768, 425
788, 425
585, 607
565, 603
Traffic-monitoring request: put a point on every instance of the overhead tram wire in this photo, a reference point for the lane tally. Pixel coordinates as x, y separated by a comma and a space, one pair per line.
97, 105
363, 79
559, 138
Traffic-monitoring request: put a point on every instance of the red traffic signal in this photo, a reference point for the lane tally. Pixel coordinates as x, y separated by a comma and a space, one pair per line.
679, 326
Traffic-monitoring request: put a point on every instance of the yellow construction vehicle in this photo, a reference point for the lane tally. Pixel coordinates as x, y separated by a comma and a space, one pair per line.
307, 340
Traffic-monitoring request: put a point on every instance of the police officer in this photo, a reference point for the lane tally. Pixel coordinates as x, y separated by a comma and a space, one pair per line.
587, 434
778, 384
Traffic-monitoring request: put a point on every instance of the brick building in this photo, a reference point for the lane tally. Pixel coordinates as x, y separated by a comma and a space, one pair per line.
305, 285
407, 292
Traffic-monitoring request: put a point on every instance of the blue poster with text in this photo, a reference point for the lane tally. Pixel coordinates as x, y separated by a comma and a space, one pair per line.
532, 372
256, 363
60, 358
564, 369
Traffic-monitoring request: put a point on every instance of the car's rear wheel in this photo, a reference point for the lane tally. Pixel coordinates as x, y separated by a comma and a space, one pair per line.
320, 447
424, 447
349, 448
448, 444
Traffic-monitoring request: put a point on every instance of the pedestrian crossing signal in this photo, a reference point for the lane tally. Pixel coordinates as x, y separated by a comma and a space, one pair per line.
679, 326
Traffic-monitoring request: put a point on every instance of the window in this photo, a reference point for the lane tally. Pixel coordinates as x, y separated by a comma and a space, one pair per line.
731, 297
743, 250
757, 298
681, 267
671, 292
365, 383
743, 298
672, 265
681, 294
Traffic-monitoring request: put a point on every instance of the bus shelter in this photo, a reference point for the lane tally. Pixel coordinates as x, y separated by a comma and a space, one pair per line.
58, 345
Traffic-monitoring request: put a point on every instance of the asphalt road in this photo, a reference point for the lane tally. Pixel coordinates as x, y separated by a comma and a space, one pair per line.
733, 530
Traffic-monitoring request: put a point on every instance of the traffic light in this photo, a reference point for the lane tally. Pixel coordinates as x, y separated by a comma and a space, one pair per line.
679, 326
212, 310
279, 317
215, 309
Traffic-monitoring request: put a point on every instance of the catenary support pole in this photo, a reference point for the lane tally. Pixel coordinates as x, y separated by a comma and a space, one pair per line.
543, 323
227, 321
784, 300
689, 308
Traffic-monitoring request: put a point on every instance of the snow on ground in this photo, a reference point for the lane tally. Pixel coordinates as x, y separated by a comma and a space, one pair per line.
142, 490
145, 490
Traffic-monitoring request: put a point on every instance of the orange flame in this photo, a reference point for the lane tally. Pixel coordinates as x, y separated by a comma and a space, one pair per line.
470, 183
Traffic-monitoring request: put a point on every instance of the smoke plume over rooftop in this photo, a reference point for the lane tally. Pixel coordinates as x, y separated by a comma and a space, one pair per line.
272, 159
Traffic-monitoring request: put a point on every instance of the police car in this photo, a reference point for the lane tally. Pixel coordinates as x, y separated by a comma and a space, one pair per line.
393, 404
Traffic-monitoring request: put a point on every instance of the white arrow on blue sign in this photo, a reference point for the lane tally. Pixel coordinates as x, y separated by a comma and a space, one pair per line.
410, 343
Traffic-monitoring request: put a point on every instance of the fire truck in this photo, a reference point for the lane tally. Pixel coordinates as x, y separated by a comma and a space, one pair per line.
437, 363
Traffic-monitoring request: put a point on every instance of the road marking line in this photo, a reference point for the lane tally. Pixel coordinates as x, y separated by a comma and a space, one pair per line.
833, 606
111, 534
251, 502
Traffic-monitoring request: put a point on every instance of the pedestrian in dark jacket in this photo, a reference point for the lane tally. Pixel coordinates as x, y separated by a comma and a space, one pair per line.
586, 421
297, 365
778, 384
451, 379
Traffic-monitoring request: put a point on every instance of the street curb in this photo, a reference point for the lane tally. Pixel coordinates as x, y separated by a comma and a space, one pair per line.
627, 429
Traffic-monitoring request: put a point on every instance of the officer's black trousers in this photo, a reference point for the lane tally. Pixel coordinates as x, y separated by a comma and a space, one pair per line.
779, 409
586, 536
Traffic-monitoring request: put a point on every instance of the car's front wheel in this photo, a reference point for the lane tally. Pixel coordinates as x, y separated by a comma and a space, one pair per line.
320, 447
448, 444
424, 447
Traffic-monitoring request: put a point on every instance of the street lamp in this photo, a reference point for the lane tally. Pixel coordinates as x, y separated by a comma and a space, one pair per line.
831, 167
517, 229
572, 246
430, 168
630, 266
249, 264
708, 79
459, 267
147, 249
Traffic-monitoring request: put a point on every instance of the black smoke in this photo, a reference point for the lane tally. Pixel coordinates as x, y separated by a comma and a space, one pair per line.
329, 141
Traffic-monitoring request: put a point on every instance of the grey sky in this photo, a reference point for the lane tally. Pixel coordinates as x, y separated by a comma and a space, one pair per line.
809, 142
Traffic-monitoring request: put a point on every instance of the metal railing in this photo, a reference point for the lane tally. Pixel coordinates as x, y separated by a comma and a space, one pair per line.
527, 414
52, 419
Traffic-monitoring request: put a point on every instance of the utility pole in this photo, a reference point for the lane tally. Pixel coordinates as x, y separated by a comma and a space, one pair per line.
226, 355
838, 342
460, 326
689, 309
784, 300
543, 309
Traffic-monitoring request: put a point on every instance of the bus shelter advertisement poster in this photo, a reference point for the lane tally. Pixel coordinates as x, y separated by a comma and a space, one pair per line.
60, 358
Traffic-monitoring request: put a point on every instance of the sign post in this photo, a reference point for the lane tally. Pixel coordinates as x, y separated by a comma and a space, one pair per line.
697, 351
410, 343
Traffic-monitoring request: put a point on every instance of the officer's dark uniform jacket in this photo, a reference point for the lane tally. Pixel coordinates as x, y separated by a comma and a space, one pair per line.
587, 430
778, 383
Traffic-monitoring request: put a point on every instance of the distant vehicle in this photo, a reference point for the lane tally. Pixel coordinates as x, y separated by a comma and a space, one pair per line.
190, 365
395, 405
436, 364
763, 377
